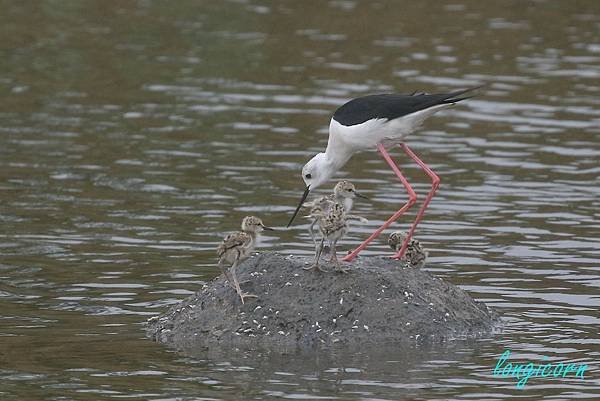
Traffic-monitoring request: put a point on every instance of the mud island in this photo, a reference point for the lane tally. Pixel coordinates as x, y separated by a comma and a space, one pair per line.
379, 300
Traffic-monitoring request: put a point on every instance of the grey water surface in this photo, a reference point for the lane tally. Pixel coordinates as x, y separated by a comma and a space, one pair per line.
134, 134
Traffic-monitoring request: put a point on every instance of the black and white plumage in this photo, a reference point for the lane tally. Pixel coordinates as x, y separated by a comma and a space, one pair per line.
368, 121
391, 106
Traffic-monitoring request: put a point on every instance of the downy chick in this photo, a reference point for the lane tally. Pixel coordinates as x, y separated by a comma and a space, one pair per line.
333, 226
344, 193
237, 247
415, 254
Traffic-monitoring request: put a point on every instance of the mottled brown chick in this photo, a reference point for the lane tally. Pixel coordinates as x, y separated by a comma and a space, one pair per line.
415, 255
237, 247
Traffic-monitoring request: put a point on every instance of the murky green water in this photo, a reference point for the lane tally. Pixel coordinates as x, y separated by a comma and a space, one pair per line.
134, 134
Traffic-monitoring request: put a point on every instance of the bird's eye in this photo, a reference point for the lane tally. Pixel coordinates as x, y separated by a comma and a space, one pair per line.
308, 176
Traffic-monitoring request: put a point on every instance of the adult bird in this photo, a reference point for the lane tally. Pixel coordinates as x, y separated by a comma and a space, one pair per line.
378, 121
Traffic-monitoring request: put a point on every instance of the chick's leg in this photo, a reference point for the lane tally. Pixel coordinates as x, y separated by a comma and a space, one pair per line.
318, 252
335, 260
311, 231
237, 284
225, 272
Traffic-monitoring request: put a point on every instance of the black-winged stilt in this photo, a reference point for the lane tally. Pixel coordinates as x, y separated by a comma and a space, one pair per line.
333, 226
377, 121
237, 247
344, 192
415, 255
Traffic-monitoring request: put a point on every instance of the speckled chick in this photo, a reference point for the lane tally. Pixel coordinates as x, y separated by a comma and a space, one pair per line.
333, 226
344, 193
415, 254
237, 247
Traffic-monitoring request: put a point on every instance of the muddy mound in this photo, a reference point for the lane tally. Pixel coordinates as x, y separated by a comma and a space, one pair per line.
380, 300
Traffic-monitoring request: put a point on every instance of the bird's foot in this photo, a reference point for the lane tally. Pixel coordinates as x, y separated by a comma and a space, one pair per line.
316, 267
340, 269
232, 285
338, 266
349, 257
401, 259
246, 295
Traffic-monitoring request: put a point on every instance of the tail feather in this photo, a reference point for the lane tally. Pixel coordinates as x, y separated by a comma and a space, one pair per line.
453, 97
449, 98
456, 100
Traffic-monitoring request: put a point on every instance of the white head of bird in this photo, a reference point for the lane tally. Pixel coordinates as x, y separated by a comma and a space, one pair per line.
314, 173
317, 171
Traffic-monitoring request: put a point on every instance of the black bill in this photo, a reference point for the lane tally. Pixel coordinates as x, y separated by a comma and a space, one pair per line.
306, 191
360, 195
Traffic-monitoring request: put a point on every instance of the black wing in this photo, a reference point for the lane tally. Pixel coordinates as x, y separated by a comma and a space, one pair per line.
391, 106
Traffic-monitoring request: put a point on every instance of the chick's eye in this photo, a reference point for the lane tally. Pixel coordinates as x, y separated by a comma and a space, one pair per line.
308, 176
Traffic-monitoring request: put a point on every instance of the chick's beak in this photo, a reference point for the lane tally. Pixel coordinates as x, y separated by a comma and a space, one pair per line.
358, 194
267, 228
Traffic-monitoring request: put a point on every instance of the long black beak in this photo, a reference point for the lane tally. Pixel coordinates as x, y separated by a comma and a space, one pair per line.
306, 191
268, 228
360, 195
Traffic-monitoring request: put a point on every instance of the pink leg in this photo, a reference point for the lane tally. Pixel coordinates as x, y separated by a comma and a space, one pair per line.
435, 183
412, 198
